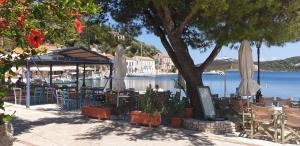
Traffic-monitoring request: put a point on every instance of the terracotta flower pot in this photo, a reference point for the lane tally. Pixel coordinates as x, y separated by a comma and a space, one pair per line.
136, 117
97, 112
176, 122
6, 134
188, 112
151, 120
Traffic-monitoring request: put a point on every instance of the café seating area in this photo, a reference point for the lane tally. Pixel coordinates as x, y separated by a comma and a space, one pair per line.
275, 119
70, 99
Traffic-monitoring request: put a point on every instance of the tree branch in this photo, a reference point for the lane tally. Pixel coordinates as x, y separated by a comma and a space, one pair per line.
187, 19
210, 58
179, 47
160, 33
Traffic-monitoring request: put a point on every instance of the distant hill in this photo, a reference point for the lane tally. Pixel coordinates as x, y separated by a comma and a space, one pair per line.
135, 49
289, 64
106, 39
227, 63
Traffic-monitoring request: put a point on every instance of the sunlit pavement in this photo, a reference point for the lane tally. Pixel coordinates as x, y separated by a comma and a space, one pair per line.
48, 126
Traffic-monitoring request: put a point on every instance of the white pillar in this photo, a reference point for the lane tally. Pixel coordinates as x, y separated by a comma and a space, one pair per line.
27, 85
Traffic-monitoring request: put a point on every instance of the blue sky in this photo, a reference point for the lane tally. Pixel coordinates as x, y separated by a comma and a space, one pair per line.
267, 53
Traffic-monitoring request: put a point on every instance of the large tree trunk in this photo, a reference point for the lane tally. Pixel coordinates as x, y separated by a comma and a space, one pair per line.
191, 74
177, 49
192, 93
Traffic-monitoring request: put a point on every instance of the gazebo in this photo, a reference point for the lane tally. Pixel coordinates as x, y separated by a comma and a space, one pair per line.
68, 56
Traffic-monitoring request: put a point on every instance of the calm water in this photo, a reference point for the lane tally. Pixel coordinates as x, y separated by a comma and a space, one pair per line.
273, 84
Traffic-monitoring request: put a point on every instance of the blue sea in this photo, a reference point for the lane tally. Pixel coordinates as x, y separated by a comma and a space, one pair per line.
273, 84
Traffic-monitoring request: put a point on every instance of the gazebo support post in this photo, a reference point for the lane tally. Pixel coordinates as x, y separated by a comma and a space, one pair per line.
51, 75
77, 77
27, 85
110, 75
83, 84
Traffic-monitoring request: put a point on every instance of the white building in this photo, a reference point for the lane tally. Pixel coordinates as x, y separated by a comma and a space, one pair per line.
163, 62
131, 65
138, 65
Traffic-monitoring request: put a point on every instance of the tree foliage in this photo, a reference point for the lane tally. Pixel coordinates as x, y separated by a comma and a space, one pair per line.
208, 24
27, 24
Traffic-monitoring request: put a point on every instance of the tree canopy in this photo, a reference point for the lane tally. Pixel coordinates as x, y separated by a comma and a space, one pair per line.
209, 22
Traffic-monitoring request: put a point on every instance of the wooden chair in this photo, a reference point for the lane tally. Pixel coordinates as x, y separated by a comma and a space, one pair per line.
112, 98
267, 101
18, 95
283, 102
133, 100
221, 103
69, 103
162, 98
240, 106
292, 124
50, 91
262, 119
38, 95
59, 98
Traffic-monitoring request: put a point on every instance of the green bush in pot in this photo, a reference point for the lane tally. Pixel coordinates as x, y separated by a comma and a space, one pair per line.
176, 111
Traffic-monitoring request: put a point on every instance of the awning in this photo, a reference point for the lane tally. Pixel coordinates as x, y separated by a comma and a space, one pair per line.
69, 56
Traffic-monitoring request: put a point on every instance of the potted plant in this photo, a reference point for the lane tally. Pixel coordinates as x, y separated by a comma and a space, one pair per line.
176, 109
188, 109
150, 114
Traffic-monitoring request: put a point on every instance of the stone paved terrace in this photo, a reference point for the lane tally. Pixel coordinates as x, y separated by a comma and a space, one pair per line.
48, 126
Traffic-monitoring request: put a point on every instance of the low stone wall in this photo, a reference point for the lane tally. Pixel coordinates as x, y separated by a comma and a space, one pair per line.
215, 127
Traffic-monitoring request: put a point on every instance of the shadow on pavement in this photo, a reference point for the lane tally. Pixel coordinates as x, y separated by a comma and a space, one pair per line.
135, 133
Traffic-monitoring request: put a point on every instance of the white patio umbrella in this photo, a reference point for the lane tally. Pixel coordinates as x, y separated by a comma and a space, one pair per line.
120, 70
247, 87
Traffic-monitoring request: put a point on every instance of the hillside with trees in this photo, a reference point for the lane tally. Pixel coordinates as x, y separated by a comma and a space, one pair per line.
289, 64
106, 38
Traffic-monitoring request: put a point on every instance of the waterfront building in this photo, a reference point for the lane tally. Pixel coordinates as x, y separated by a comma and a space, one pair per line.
131, 65
164, 63
144, 65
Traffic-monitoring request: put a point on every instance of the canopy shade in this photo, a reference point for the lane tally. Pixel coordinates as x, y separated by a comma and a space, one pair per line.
74, 55
54, 68
247, 87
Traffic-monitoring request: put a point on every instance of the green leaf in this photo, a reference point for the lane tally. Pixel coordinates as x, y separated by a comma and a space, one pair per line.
1, 103
7, 118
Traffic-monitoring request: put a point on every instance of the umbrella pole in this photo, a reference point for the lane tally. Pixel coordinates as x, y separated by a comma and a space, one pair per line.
258, 93
225, 86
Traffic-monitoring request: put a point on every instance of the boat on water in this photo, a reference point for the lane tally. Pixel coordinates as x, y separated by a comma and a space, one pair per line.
92, 77
139, 75
213, 72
